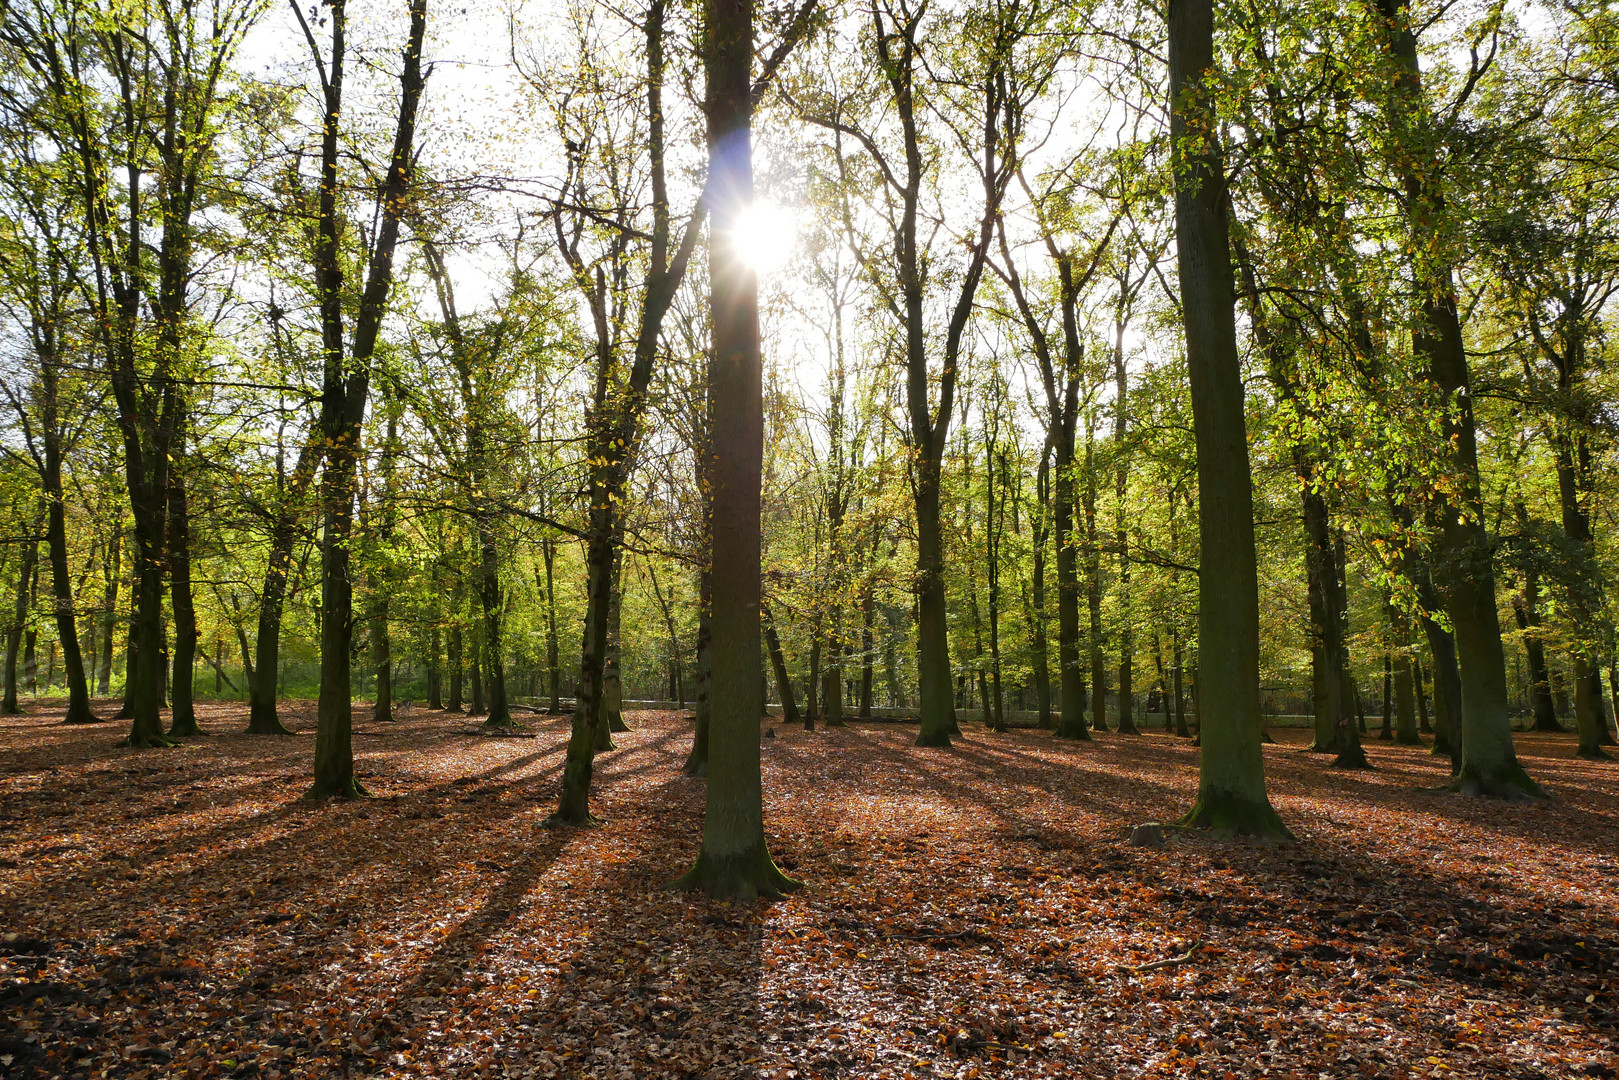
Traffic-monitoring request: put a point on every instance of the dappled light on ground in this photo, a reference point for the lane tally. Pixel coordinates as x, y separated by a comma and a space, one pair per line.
968, 912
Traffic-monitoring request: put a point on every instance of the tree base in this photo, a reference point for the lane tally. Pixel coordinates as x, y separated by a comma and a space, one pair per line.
1079, 734
86, 717
155, 741
750, 876
695, 768
1412, 740
617, 725
1352, 758
1592, 753
1128, 727
939, 738
185, 729
1510, 783
559, 821
500, 724
271, 726
326, 791
1226, 818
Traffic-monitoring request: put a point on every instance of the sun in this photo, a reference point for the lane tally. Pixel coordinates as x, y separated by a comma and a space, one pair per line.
764, 236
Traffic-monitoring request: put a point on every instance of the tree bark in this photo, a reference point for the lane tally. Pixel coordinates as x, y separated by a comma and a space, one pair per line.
1488, 763
183, 714
262, 718
10, 705
1231, 778
778, 662
346, 383
734, 860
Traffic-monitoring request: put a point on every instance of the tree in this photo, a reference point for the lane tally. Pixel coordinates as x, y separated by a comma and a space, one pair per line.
346, 376
1231, 775
734, 859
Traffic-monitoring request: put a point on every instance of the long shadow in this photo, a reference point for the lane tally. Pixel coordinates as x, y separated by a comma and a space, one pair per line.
1380, 911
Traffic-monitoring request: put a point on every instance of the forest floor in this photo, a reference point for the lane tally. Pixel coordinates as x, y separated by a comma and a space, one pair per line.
970, 912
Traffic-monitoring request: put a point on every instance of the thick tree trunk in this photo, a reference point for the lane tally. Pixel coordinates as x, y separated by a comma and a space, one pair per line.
832, 682
590, 730
734, 860
1405, 727
1231, 782
1488, 764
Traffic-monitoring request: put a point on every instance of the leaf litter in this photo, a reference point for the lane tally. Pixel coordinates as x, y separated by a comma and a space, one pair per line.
970, 912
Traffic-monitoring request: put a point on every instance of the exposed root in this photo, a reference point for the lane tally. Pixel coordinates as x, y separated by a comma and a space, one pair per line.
323, 791
750, 876
557, 821
1226, 818
1511, 784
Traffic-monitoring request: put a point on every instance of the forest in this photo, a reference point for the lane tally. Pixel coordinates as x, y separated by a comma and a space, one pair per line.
842, 538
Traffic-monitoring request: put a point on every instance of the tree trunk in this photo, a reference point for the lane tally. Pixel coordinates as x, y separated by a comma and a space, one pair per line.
382, 709
778, 662
1405, 727
183, 714
10, 706
812, 691
1231, 782
435, 672
109, 611
832, 681
457, 665
1387, 731
1424, 727
345, 389
697, 760
67, 624
1488, 764
1526, 610
1181, 730
612, 680
1093, 567
867, 613
734, 860
262, 718
553, 664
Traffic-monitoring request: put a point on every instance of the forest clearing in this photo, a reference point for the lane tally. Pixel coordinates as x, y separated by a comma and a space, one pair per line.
971, 911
